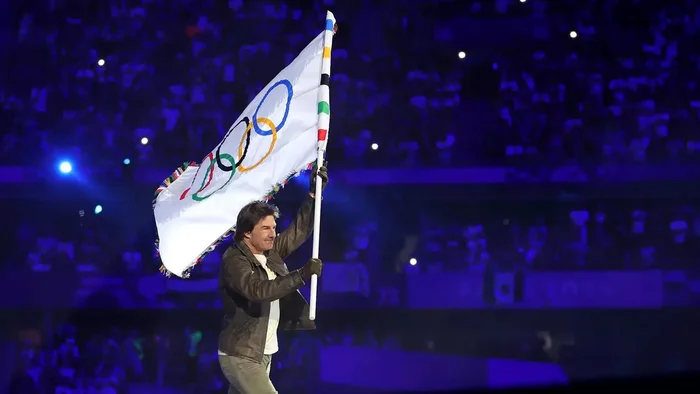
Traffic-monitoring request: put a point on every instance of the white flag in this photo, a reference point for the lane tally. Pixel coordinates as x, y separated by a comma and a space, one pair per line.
275, 138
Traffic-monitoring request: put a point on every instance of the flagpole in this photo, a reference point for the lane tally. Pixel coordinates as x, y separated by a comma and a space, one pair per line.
323, 126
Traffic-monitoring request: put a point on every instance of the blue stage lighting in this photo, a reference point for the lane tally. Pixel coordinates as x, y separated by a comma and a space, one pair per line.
98, 209
65, 167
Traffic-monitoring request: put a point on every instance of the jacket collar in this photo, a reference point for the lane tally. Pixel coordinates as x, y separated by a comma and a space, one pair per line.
247, 252
276, 266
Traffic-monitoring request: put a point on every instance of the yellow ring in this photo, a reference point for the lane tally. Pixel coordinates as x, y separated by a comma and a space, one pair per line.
272, 127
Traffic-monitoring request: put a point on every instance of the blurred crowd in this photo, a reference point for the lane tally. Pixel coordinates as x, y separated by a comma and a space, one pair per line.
101, 364
168, 357
577, 81
65, 239
97, 361
594, 234
158, 82
603, 235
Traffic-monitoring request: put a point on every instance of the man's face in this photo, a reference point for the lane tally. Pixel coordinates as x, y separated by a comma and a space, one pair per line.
263, 235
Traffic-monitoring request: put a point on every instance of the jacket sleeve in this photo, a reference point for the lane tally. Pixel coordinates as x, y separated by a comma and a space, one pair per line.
240, 278
298, 231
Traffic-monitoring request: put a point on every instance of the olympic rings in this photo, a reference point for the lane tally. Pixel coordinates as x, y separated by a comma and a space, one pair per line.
290, 93
215, 158
267, 122
221, 165
210, 175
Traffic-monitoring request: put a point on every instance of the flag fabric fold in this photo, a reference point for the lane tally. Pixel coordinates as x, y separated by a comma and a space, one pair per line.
274, 139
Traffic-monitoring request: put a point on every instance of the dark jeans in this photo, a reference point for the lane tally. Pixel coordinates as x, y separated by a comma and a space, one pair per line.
246, 376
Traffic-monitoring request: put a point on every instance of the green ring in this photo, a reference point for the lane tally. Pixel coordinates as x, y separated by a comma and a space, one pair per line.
196, 197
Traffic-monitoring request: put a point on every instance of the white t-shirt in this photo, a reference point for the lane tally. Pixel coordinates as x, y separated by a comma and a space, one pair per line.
271, 346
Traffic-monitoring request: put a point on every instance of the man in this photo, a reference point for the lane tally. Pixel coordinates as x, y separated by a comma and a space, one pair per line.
260, 294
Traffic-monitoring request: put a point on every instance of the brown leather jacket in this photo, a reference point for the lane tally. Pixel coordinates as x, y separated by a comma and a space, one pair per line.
247, 292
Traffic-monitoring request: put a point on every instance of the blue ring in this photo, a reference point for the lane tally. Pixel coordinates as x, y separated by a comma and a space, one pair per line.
290, 93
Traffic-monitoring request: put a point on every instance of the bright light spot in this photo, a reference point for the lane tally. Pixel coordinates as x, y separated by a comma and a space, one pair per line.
522, 1
65, 167
101, 62
462, 55
98, 209
127, 161
144, 141
573, 34
413, 261
375, 146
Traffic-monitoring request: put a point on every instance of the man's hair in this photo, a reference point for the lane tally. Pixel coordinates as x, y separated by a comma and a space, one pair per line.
251, 215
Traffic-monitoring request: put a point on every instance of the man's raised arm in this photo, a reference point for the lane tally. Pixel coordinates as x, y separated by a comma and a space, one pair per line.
302, 226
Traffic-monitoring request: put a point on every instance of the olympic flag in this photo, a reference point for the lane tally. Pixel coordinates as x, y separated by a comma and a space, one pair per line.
281, 133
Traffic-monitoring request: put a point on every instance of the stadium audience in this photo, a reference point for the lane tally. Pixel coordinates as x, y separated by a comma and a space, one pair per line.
160, 81
578, 87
